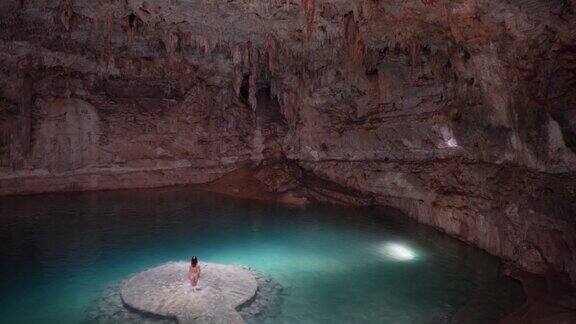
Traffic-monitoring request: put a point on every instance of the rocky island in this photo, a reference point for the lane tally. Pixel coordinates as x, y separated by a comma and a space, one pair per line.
165, 291
163, 294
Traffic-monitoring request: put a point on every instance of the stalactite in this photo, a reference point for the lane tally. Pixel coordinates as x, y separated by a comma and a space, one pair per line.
129, 34
415, 69
311, 18
186, 39
359, 12
414, 54
203, 7
289, 108
272, 49
16, 157
353, 43
205, 45
107, 38
131, 25
4, 147
238, 68
172, 44
450, 21
66, 14
6, 143
95, 32
26, 109
273, 89
315, 80
253, 79
186, 75
247, 54
4, 135
252, 87
193, 45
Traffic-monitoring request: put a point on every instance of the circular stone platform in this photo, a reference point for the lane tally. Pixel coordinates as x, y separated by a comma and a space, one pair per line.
166, 291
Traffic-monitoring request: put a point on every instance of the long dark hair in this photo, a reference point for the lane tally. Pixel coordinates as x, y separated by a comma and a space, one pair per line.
194, 261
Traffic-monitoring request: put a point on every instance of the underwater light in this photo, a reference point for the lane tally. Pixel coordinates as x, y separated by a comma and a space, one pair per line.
399, 252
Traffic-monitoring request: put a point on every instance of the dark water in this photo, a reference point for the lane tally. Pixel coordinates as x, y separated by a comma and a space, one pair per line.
337, 265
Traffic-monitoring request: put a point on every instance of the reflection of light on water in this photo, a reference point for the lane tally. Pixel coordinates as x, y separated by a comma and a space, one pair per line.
399, 252
279, 259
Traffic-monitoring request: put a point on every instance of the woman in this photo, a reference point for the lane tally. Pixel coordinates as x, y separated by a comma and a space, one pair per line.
194, 272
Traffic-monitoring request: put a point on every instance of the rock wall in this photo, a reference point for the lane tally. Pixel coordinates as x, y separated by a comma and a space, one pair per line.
460, 113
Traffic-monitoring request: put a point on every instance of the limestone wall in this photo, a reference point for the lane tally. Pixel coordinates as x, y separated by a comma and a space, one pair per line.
460, 113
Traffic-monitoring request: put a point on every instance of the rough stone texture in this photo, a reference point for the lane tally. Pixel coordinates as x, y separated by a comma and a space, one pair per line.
548, 300
109, 308
460, 113
166, 291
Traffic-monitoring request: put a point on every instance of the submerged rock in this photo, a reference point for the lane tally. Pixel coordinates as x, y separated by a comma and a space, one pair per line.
166, 291
226, 294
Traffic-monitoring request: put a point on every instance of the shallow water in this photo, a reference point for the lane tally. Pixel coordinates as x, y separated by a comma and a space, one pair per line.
336, 264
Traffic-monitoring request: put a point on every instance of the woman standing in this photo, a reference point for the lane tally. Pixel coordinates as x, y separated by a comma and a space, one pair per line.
194, 272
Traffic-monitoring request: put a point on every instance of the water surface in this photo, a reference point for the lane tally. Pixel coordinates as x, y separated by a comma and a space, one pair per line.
336, 264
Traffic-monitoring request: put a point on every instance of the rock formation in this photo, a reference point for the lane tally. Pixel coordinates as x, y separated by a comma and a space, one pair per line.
165, 291
459, 113
111, 308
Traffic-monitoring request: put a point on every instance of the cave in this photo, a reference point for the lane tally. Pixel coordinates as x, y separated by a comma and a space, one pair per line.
358, 161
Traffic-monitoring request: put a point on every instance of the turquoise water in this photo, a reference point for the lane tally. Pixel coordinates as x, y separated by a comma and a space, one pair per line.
336, 264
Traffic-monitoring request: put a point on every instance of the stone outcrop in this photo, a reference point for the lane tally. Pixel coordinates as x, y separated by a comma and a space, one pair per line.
165, 291
110, 308
459, 113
